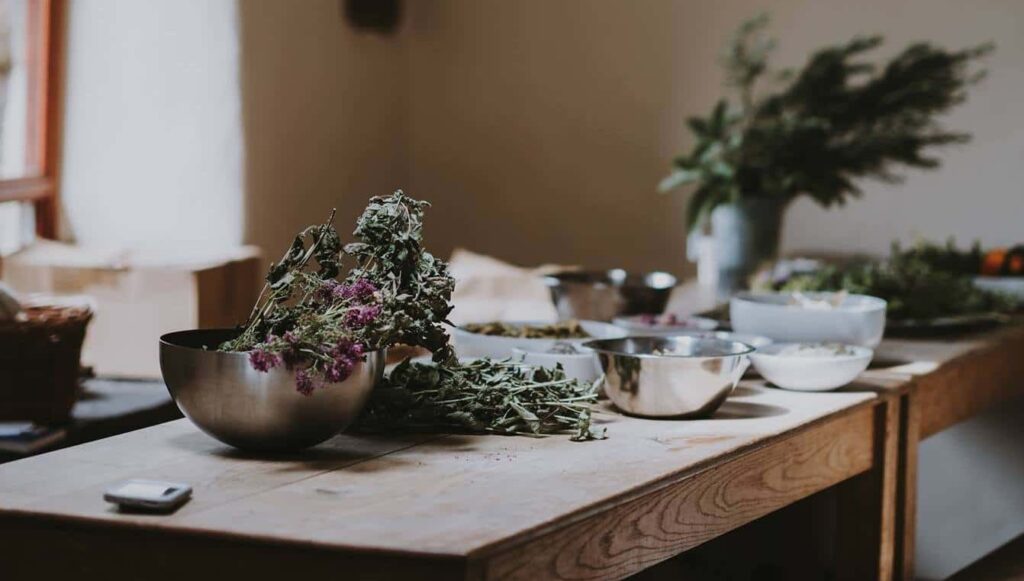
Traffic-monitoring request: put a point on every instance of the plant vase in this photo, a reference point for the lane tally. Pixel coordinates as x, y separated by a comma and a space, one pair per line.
735, 242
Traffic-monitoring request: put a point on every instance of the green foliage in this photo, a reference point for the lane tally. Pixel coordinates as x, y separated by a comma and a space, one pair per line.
924, 282
482, 396
836, 121
415, 285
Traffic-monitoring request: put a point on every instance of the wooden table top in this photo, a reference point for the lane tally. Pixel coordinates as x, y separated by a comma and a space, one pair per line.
448, 495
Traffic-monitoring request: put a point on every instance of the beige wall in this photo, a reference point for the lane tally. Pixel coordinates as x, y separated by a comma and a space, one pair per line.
324, 113
540, 128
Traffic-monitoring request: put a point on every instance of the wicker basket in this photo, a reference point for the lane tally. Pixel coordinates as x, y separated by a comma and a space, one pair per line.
39, 363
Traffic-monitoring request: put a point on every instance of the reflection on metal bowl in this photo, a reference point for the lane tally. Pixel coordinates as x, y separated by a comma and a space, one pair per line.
604, 295
226, 398
670, 377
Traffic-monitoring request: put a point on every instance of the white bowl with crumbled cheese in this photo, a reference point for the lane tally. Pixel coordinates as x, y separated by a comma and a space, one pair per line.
811, 366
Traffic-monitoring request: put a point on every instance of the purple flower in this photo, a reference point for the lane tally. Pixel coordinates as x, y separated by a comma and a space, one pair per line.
344, 357
359, 317
264, 361
304, 382
361, 290
330, 291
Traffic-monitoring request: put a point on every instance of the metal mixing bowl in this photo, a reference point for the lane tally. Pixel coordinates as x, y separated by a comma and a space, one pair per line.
226, 398
604, 295
670, 377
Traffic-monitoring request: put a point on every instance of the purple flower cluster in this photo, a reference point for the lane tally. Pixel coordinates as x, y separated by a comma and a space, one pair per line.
304, 382
359, 317
344, 357
360, 290
332, 290
262, 360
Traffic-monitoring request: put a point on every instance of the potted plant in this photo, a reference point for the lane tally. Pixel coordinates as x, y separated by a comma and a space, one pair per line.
814, 132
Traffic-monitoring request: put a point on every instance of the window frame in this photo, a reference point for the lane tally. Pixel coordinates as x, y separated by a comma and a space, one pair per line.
46, 36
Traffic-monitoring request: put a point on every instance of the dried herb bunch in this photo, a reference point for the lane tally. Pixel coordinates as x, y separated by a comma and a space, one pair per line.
397, 293
482, 396
319, 327
817, 131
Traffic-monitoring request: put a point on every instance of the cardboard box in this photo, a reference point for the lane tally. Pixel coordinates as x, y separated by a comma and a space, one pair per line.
140, 295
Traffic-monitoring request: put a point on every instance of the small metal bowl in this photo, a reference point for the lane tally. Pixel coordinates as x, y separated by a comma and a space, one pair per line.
670, 377
604, 295
225, 397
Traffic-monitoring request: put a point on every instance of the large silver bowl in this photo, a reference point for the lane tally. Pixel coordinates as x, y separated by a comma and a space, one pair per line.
226, 398
604, 295
670, 377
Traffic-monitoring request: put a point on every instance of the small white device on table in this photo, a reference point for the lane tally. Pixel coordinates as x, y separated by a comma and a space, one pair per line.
149, 495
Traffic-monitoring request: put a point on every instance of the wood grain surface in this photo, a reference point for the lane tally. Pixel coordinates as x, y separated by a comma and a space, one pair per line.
679, 515
431, 498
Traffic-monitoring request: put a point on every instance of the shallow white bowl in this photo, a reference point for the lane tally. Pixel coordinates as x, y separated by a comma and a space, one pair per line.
858, 320
803, 373
584, 365
476, 345
635, 325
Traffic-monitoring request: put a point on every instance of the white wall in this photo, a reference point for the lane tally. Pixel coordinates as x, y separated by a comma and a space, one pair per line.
153, 137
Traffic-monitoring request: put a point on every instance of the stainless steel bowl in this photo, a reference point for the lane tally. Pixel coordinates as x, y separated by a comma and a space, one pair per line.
670, 377
226, 398
604, 295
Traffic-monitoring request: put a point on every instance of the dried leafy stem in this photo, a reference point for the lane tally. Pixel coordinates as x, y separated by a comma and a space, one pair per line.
483, 396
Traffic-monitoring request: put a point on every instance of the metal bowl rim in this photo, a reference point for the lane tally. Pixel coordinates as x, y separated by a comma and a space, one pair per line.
747, 349
565, 277
169, 340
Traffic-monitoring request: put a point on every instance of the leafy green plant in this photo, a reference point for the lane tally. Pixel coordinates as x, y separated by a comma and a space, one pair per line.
821, 129
920, 283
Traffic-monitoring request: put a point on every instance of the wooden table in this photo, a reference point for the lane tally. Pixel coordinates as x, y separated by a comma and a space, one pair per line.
937, 384
445, 507
486, 507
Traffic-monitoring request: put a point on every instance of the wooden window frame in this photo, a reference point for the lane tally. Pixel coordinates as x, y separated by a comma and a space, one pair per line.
46, 36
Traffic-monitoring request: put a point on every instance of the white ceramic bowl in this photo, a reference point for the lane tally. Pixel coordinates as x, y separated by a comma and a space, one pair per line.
857, 320
476, 345
804, 373
583, 365
641, 325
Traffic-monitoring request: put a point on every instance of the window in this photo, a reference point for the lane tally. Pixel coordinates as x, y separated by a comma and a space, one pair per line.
30, 35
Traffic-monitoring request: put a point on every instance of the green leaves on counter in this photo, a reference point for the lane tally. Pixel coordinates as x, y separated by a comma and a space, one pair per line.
482, 396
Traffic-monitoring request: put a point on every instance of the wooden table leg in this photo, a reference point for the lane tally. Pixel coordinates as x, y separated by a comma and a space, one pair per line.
906, 494
866, 515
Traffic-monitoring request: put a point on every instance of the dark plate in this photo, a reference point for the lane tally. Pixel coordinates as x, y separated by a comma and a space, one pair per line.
943, 325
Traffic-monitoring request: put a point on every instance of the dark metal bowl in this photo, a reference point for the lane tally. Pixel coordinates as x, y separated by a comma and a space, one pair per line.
604, 295
225, 397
